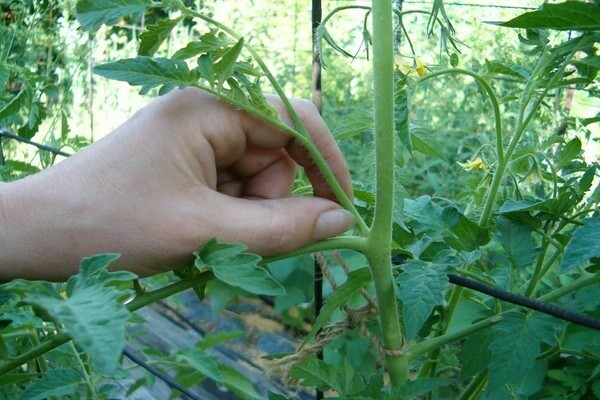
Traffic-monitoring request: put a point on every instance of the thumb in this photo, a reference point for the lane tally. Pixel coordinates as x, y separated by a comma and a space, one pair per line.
277, 226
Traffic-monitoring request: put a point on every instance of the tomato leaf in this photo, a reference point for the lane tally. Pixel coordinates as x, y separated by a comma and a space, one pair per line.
401, 114
202, 362
359, 121
232, 265
423, 141
516, 239
15, 105
156, 34
225, 66
56, 382
421, 287
569, 15
213, 42
516, 344
93, 13
419, 387
462, 233
585, 244
149, 72
92, 314
516, 71
447, 224
316, 373
568, 153
475, 356
239, 384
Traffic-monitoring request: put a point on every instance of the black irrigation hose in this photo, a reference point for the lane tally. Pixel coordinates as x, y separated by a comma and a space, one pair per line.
8, 134
137, 359
534, 304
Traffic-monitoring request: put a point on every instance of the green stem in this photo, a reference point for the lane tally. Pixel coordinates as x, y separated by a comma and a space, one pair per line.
490, 92
520, 129
355, 243
35, 340
167, 291
86, 374
380, 236
32, 354
434, 343
135, 304
474, 387
542, 272
537, 270
571, 287
342, 8
500, 154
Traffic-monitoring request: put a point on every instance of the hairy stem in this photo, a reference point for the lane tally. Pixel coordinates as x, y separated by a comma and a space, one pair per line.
500, 154
494, 100
86, 375
474, 387
520, 129
571, 287
380, 237
437, 342
352, 243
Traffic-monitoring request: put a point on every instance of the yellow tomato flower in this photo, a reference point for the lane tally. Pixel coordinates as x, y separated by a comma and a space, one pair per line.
418, 66
474, 165
534, 177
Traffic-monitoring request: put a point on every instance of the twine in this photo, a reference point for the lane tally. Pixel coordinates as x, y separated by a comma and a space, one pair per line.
355, 319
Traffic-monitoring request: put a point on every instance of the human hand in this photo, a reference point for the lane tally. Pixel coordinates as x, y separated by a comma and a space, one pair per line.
185, 168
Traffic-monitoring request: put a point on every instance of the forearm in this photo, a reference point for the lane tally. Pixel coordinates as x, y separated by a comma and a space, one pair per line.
32, 244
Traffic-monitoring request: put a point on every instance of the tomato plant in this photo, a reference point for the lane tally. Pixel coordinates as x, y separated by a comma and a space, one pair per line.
491, 293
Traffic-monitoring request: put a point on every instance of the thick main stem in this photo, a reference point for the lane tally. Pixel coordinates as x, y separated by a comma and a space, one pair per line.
380, 236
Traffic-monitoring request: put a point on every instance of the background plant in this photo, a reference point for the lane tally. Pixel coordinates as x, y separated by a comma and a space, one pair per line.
520, 214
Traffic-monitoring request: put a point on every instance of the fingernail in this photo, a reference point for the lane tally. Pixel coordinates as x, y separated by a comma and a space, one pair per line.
333, 222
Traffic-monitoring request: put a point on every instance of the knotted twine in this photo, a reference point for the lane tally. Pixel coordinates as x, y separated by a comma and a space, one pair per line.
356, 318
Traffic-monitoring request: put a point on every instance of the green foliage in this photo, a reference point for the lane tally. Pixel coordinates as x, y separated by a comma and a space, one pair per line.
202, 362
58, 382
233, 266
584, 245
93, 13
569, 15
421, 288
516, 238
149, 73
316, 373
92, 313
156, 34
516, 345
